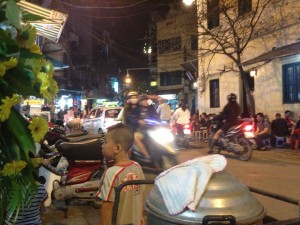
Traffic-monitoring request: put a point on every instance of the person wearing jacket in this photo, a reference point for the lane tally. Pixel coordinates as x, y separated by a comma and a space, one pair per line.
229, 116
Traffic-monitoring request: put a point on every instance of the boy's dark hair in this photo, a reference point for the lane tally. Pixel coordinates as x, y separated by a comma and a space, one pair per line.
122, 135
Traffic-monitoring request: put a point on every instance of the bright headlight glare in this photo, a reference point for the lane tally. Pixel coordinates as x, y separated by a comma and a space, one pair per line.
162, 136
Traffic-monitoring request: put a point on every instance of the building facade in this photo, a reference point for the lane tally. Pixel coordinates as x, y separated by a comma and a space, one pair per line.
271, 56
177, 44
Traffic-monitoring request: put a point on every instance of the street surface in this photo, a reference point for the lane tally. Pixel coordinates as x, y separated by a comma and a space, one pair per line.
276, 171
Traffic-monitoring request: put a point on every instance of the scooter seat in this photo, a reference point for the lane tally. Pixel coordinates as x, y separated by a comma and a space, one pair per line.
83, 150
76, 134
84, 137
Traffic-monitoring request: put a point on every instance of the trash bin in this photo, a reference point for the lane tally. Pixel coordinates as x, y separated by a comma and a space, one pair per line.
224, 195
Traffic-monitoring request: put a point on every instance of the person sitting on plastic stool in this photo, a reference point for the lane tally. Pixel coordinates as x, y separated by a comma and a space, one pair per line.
262, 131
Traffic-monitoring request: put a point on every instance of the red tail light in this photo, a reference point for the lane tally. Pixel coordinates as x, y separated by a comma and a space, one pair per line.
248, 128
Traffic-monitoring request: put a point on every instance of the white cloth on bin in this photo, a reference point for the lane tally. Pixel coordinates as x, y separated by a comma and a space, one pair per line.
183, 185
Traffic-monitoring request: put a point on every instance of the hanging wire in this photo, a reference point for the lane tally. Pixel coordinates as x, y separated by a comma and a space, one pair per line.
102, 7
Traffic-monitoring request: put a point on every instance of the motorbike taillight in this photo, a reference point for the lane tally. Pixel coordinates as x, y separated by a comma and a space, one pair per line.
186, 126
248, 127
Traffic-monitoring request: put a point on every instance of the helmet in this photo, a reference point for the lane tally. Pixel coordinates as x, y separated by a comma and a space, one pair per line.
143, 97
231, 97
132, 93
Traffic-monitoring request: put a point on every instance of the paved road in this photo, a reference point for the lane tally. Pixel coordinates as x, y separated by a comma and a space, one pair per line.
276, 170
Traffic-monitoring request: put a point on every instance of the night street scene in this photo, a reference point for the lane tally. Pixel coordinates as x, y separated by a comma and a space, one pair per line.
149, 112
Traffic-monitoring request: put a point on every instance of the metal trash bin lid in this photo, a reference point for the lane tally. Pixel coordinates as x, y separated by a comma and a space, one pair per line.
224, 195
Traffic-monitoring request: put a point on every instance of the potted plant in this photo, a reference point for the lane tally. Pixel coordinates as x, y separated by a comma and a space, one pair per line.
23, 72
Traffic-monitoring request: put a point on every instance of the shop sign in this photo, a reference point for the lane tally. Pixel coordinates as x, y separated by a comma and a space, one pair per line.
34, 102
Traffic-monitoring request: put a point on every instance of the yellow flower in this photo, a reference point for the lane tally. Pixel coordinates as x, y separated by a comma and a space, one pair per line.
13, 168
33, 64
35, 49
36, 162
27, 36
6, 65
12, 62
2, 69
38, 128
6, 106
48, 68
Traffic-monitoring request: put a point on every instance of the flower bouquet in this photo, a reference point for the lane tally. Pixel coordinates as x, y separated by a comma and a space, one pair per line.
23, 72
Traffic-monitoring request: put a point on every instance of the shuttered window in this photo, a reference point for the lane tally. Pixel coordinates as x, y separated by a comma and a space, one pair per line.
291, 83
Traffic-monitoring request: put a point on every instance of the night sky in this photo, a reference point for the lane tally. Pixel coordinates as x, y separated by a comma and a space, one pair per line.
126, 22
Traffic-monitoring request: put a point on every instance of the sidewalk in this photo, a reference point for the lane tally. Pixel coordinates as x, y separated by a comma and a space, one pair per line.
79, 213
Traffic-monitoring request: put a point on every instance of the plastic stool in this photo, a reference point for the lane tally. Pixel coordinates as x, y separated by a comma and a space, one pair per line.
280, 142
196, 135
204, 134
267, 143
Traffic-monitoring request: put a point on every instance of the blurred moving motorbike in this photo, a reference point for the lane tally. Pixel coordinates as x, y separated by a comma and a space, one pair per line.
233, 140
160, 144
182, 133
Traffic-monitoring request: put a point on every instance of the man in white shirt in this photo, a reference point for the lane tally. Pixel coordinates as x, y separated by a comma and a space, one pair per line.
164, 110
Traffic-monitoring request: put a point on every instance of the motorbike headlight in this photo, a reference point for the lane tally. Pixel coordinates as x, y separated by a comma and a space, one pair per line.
161, 136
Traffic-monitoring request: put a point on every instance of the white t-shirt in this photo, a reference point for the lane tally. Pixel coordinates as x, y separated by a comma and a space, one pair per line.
164, 111
181, 117
131, 198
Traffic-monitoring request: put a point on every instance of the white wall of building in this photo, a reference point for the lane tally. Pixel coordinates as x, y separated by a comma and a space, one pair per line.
268, 81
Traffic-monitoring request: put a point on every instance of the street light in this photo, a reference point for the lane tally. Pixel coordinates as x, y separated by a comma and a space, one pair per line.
127, 79
188, 2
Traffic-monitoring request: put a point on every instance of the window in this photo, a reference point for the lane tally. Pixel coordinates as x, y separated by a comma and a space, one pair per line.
169, 45
245, 6
214, 92
194, 42
170, 78
99, 113
213, 17
291, 83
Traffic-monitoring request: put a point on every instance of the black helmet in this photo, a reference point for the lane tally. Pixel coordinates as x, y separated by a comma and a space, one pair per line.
132, 93
231, 97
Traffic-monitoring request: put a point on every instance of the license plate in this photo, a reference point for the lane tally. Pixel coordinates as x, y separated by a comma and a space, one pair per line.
249, 134
186, 131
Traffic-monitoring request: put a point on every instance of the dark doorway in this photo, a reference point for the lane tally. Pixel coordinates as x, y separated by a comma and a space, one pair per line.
246, 110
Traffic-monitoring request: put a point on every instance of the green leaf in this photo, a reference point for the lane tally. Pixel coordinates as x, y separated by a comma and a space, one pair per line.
31, 17
13, 13
20, 80
2, 15
17, 127
8, 45
25, 54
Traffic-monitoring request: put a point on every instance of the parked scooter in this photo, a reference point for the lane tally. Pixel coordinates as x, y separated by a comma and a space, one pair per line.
233, 140
160, 144
74, 171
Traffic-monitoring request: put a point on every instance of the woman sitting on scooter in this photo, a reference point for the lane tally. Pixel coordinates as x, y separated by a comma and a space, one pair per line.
229, 116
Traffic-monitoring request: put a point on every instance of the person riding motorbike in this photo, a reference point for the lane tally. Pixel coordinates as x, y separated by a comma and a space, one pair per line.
229, 116
181, 116
135, 111
146, 111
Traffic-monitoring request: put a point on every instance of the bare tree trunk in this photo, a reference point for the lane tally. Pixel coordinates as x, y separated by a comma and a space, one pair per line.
249, 96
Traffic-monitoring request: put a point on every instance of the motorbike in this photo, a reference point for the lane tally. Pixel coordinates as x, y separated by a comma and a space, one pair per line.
233, 140
160, 144
182, 139
74, 171
55, 136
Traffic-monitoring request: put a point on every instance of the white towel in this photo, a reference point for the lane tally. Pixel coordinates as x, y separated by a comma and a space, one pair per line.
183, 185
